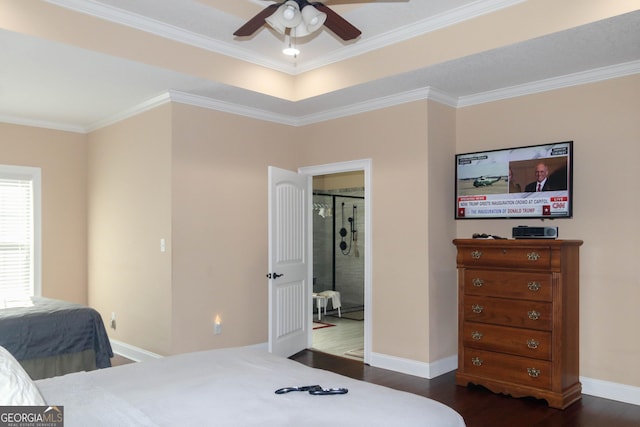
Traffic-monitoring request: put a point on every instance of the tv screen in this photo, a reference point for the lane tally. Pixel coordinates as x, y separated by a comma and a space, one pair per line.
523, 182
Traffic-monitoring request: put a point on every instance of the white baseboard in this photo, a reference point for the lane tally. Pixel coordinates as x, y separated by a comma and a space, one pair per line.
138, 354
593, 387
609, 390
131, 352
412, 367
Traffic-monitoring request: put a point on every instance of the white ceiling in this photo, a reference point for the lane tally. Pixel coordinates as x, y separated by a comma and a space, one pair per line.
45, 83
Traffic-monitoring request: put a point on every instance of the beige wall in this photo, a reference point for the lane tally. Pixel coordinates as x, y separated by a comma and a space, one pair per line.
129, 212
442, 277
396, 141
62, 157
198, 178
219, 223
602, 120
339, 181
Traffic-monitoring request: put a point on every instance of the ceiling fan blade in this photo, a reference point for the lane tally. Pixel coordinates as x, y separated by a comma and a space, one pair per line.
257, 21
336, 23
363, 1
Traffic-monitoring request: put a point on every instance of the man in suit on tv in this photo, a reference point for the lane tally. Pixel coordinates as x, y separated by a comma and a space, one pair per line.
541, 183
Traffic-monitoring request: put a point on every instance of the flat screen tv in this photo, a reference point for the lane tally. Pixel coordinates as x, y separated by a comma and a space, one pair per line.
535, 181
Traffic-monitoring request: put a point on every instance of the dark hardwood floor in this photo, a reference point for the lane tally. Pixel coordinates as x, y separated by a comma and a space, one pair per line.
480, 407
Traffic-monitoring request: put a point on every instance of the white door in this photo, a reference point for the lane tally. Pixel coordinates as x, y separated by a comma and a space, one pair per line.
289, 288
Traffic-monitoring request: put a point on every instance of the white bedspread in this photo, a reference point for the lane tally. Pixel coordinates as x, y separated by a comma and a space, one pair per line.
232, 387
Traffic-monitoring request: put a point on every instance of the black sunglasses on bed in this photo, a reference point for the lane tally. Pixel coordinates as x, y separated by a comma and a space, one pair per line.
313, 389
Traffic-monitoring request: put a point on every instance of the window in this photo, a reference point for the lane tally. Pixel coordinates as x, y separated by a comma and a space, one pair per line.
19, 233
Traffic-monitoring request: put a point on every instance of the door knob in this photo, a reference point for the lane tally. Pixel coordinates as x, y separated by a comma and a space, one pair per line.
274, 275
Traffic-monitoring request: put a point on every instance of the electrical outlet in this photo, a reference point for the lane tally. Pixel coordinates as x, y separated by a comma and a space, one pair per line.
113, 320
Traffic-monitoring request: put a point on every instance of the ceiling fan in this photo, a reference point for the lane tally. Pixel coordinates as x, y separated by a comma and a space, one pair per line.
301, 17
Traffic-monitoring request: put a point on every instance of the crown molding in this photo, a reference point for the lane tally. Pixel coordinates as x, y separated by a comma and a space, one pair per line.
228, 107
143, 23
23, 121
436, 22
258, 114
430, 93
161, 29
365, 106
442, 97
425, 93
147, 105
575, 79
336, 113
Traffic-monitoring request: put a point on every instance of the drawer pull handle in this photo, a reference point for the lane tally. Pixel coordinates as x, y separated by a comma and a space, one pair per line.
533, 315
533, 256
533, 372
477, 309
477, 282
476, 361
533, 344
534, 286
476, 254
477, 336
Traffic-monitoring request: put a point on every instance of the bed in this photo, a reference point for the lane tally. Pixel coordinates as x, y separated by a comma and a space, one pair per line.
51, 337
231, 387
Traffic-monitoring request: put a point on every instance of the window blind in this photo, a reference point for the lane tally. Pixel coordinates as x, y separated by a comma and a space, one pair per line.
17, 267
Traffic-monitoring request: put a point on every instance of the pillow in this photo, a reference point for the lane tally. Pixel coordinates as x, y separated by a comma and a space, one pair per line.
16, 387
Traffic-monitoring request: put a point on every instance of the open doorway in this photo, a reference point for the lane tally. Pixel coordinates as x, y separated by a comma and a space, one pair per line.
338, 222
333, 170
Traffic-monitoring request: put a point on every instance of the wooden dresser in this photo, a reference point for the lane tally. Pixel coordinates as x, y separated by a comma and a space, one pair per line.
518, 310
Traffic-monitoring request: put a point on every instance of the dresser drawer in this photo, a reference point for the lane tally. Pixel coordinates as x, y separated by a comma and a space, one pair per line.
521, 342
504, 367
516, 257
509, 312
518, 317
508, 284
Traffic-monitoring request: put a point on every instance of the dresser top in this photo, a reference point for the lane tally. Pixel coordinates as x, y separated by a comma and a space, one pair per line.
513, 243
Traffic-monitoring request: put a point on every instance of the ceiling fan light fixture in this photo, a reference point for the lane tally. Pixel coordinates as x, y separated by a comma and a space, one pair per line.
287, 16
289, 13
312, 21
313, 18
289, 49
300, 18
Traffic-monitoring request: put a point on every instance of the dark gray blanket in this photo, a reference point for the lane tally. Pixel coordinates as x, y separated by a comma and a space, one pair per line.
51, 328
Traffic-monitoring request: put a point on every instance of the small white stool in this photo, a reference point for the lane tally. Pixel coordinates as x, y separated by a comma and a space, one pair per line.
334, 296
321, 302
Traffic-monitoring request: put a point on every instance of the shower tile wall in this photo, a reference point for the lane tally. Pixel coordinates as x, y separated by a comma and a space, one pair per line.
322, 245
349, 273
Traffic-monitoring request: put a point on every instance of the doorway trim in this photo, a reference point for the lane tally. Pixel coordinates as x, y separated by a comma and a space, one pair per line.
364, 165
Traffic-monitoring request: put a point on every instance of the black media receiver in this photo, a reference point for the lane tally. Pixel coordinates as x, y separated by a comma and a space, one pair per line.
524, 232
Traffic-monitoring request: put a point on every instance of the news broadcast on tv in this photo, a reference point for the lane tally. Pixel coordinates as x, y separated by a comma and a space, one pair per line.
523, 182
